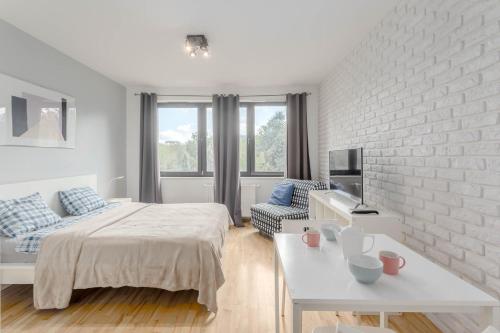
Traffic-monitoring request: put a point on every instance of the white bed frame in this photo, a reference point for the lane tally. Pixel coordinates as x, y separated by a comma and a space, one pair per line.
21, 273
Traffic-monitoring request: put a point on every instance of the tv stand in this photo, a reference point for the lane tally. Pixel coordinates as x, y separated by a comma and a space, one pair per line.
325, 204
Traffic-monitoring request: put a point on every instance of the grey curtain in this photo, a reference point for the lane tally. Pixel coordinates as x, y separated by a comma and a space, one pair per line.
297, 157
226, 126
149, 183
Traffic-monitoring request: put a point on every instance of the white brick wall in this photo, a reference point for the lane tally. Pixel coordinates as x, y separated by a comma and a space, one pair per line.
421, 94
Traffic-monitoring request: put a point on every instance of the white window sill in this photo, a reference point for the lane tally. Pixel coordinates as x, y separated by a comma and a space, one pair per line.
196, 177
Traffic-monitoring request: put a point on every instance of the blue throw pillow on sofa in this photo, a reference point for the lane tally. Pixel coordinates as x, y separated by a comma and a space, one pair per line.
282, 195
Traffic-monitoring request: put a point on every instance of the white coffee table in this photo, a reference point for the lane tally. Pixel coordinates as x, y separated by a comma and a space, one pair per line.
318, 279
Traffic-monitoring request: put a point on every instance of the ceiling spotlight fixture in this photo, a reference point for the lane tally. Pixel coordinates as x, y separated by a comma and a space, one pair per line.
197, 44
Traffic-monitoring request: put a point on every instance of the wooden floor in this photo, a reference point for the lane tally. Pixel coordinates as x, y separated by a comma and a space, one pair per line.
246, 303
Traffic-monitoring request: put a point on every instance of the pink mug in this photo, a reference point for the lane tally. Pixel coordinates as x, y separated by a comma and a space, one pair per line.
312, 238
392, 262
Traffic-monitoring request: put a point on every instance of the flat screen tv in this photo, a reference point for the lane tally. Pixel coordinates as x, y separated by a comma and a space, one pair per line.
346, 173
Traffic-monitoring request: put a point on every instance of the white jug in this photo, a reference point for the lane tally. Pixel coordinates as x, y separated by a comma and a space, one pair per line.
352, 239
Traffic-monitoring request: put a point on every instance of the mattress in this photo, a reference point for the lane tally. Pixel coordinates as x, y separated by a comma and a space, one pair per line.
8, 252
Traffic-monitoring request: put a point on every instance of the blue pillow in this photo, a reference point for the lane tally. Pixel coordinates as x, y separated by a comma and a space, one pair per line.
282, 195
19, 216
80, 200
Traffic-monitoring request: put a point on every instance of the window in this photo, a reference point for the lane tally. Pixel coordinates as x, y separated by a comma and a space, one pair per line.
178, 138
270, 137
243, 140
186, 139
210, 140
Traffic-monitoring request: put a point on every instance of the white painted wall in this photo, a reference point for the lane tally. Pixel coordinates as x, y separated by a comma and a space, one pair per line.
100, 102
421, 94
192, 190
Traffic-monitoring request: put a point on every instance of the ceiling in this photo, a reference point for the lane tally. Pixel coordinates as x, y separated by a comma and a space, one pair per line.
252, 43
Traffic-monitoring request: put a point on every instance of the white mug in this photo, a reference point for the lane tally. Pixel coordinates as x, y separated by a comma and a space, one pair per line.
352, 239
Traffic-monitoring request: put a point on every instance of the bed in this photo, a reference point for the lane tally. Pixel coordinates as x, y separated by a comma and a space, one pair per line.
170, 246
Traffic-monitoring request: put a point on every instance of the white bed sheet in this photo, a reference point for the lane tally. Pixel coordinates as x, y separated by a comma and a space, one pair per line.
9, 255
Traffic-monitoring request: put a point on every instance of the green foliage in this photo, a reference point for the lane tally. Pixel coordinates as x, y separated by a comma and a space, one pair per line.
269, 150
178, 156
270, 145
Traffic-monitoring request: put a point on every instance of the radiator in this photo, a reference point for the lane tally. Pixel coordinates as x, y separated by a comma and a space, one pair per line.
248, 196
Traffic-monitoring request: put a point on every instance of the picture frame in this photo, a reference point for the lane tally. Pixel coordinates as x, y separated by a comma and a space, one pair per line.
31, 115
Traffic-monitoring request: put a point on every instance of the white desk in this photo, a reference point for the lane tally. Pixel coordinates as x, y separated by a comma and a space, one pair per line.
318, 279
327, 204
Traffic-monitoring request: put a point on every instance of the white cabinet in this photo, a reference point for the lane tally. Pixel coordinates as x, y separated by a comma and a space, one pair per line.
326, 204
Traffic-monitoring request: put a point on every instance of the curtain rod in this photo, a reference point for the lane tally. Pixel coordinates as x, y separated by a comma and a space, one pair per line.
277, 95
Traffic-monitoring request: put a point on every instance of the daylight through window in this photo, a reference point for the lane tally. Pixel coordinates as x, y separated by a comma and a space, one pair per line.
186, 139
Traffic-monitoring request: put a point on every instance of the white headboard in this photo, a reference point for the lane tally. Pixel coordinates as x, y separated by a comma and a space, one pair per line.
48, 189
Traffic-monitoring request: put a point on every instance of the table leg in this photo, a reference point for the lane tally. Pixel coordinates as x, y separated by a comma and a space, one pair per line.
489, 316
283, 286
276, 292
297, 319
384, 320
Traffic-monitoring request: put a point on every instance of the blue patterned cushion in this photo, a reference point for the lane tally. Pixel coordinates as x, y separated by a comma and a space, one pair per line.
18, 216
80, 200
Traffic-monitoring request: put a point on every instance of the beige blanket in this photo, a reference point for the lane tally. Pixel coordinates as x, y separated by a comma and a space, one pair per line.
172, 247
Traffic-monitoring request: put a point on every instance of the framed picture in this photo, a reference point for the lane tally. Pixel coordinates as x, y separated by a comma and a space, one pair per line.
31, 115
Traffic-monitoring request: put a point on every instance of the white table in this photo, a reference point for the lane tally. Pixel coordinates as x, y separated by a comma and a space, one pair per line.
318, 279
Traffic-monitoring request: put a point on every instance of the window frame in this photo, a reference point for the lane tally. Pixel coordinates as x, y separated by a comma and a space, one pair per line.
251, 172
202, 140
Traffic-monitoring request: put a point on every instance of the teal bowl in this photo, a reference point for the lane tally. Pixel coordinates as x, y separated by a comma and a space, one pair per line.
365, 269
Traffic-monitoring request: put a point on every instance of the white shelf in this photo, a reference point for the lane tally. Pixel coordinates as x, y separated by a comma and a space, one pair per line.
326, 204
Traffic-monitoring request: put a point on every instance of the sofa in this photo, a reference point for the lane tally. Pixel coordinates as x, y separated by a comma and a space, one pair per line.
267, 217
